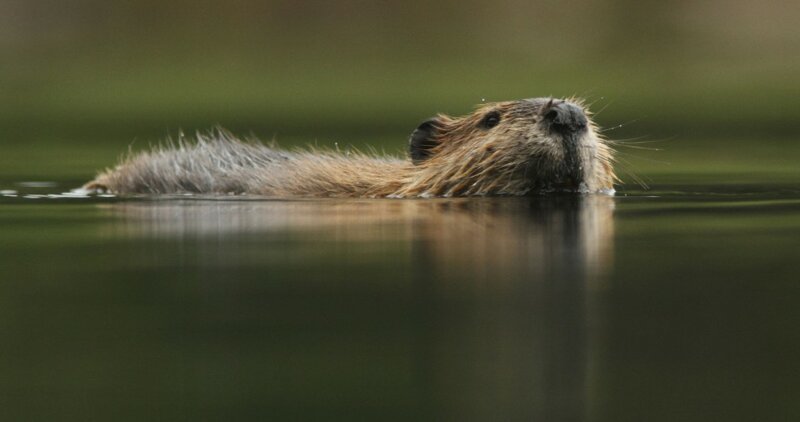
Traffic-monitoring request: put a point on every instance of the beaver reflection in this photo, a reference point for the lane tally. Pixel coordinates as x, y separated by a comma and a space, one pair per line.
497, 298
487, 239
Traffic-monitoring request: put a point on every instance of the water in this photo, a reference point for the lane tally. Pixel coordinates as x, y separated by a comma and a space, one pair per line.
677, 303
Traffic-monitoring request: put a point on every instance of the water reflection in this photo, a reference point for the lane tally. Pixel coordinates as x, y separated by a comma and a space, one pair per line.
527, 237
486, 304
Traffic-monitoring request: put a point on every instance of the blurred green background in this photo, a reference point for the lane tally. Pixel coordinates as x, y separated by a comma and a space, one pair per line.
712, 84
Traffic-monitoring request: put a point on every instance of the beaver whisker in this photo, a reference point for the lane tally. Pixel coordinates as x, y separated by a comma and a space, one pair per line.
625, 165
619, 126
639, 147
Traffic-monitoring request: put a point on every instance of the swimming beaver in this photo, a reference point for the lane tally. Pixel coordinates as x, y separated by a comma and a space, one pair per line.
522, 147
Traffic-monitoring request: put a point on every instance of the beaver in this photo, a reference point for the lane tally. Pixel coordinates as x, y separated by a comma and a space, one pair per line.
523, 147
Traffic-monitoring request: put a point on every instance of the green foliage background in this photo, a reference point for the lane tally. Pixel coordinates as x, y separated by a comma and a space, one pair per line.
712, 85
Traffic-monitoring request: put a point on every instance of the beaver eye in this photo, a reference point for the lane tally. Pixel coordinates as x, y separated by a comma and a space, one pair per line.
490, 120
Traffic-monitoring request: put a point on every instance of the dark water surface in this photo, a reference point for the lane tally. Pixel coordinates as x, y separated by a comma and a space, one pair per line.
677, 303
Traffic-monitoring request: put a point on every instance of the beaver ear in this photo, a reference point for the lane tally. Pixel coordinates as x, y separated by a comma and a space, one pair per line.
422, 140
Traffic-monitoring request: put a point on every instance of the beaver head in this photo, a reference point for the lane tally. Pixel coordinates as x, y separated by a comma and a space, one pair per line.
511, 148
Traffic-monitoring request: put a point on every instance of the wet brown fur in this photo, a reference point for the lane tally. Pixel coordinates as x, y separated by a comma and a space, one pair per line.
518, 156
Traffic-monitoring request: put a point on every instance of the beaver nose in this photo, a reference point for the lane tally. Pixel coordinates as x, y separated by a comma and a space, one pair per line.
565, 118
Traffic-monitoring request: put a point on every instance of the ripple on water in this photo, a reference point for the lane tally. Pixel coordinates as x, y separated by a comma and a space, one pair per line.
37, 184
713, 193
39, 190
